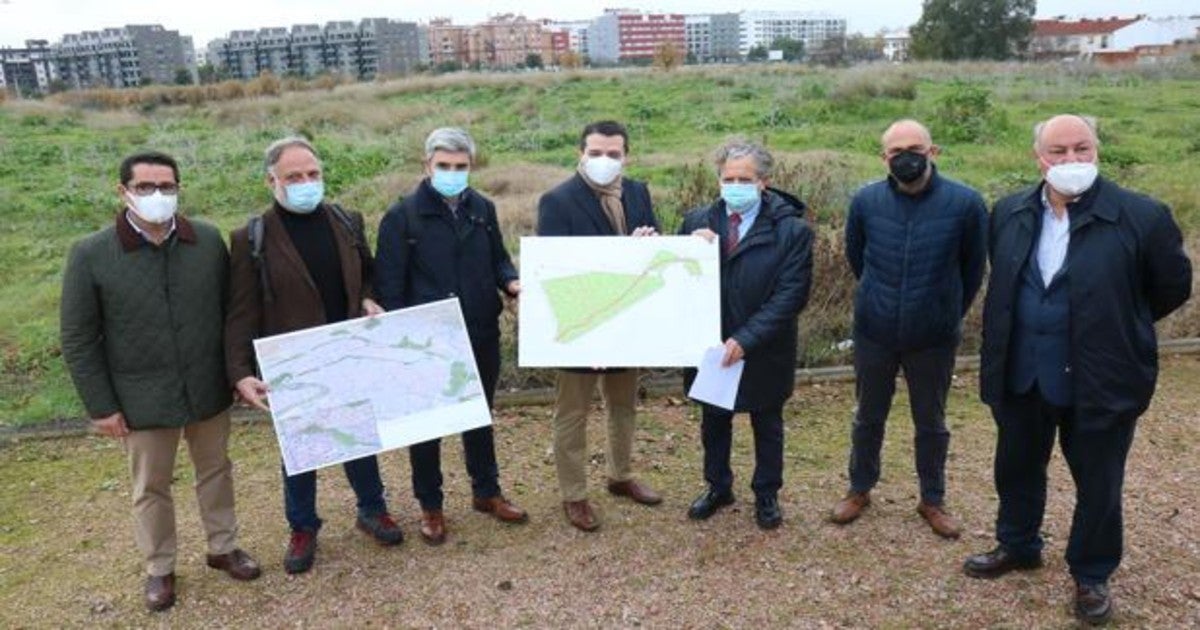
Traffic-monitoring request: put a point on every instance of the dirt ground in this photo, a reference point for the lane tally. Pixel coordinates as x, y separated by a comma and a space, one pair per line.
67, 556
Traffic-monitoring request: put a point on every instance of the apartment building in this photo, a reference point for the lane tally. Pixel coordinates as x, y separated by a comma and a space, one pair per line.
626, 35
449, 43
127, 56
576, 34
28, 70
761, 28
712, 37
507, 41
363, 50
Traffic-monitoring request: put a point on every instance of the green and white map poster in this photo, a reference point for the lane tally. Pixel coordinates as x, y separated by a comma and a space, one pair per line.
602, 301
355, 388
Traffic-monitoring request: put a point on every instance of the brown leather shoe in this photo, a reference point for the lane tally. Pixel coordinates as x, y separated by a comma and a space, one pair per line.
850, 507
942, 523
580, 514
237, 563
160, 591
500, 508
433, 526
635, 490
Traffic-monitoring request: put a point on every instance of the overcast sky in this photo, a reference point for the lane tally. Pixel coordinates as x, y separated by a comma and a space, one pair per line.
208, 19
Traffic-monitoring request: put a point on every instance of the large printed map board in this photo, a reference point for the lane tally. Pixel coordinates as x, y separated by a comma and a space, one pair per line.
359, 387
599, 301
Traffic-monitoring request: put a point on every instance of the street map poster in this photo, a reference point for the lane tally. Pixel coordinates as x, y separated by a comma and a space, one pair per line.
602, 301
356, 388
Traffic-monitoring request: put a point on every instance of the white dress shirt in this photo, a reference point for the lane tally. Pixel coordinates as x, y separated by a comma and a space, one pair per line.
142, 233
1053, 240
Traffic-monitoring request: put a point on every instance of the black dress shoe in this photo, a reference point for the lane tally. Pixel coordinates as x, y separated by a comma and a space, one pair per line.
1093, 603
708, 503
997, 562
767, 513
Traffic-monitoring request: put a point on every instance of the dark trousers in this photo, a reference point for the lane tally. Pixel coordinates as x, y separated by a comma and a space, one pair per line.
927, 373
479, 447
1027, 425
300, 493
716, 432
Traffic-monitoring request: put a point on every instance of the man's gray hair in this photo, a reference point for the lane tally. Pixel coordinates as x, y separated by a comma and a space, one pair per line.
738, 148
449, 139
275, 151
1090, 121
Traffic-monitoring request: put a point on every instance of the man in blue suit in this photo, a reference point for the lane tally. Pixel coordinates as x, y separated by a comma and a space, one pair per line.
1081, 270
916, 241
597, 201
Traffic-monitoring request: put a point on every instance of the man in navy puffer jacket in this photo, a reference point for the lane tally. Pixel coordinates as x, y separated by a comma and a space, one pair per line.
917, 243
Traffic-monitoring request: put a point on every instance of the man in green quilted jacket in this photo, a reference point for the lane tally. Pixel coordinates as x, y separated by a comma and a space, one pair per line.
143, 310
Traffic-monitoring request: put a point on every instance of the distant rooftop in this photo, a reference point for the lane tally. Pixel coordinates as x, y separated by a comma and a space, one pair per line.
1063, 27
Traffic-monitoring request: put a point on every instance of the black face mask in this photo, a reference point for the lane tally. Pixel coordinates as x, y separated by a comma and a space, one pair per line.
908, 166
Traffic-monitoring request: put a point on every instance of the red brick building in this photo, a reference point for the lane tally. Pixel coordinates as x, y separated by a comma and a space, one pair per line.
623, 35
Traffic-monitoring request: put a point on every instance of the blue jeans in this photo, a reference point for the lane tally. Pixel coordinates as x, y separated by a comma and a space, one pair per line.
300, 493
927, 373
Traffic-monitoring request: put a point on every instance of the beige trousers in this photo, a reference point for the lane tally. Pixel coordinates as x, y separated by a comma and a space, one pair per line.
575, 391
152, 465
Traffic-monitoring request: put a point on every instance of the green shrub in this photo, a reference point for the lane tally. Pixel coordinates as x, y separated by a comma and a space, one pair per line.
966, 114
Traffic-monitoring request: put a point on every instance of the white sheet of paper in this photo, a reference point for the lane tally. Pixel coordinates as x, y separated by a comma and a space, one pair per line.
714, 384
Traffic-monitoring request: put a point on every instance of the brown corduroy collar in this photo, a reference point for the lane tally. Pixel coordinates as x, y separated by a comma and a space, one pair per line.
131, 240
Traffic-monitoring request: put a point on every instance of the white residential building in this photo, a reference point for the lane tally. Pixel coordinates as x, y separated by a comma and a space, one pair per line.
1155, 32
895, 45
761, 28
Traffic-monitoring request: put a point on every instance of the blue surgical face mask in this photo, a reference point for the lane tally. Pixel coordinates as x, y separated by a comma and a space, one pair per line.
739, 197
448, 183
303, 198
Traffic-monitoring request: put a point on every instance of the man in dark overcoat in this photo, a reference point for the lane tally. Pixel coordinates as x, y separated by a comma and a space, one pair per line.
1081, 270
766, 273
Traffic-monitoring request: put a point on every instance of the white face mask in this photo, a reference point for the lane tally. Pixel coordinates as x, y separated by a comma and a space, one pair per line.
601, 169
156, 208
1073, 178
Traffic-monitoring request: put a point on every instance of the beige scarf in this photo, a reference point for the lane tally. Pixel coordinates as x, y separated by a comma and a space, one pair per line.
610, 200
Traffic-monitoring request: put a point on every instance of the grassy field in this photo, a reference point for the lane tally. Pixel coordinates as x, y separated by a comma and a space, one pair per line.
67, 557
58, 162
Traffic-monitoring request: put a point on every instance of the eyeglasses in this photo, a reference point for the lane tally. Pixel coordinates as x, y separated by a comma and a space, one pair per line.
145, 189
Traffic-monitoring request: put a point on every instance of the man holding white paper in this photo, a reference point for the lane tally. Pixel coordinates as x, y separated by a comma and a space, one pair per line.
766, 273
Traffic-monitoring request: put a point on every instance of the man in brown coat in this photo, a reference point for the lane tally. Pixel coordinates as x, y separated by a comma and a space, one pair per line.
303, 263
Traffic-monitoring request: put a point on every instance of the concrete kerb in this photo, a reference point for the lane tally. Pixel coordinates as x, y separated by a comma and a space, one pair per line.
658, 386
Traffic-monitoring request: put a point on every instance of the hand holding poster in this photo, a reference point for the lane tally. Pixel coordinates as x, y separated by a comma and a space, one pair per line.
652, 301
359, 387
